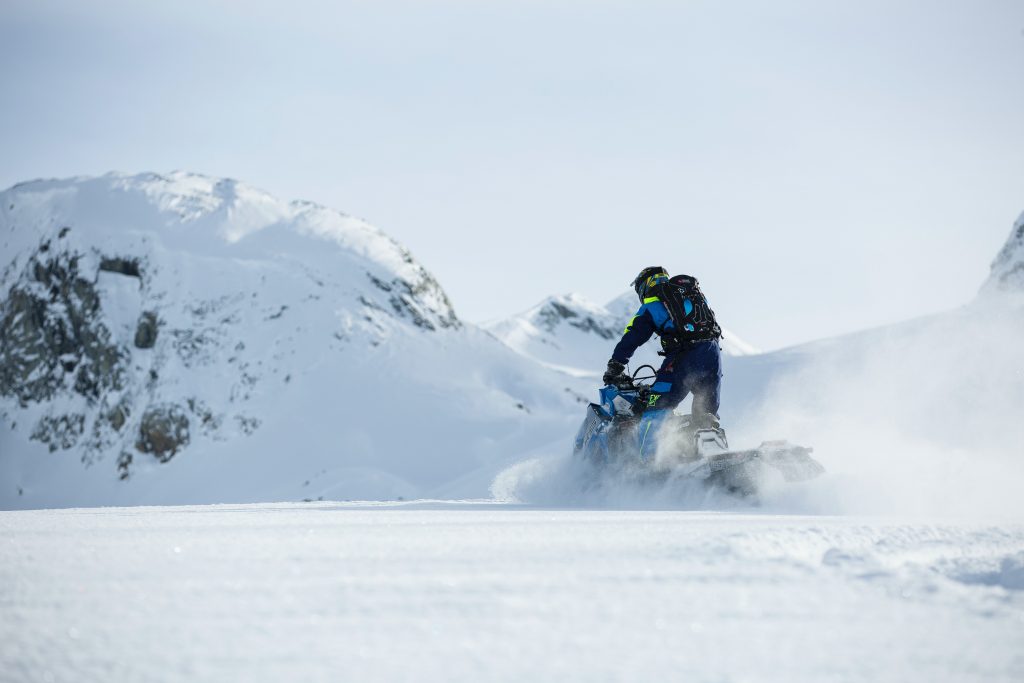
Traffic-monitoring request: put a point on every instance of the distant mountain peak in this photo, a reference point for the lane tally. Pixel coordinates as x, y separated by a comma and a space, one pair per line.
1007, 274
576, 311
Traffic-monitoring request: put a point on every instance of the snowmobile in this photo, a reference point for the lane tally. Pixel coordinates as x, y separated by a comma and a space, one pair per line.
608, 437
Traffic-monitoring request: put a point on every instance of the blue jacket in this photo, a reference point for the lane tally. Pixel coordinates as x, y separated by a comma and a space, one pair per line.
652, 317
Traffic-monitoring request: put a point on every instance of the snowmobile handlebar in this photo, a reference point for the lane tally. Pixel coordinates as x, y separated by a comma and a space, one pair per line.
635, 381
653, 375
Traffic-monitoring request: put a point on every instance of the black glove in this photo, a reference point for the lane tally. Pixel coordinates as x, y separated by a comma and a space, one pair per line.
615, 374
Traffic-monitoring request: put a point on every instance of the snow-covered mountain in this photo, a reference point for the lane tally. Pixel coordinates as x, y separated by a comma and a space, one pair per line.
576, 335
1007, 276
183, 338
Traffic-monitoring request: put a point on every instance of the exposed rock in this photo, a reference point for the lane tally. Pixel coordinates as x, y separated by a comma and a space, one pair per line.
124, 462
60, 432
247, 424
555, 312
163, 431
198, 346
50, 333
124, 266
146, 331
407, 300
117, 418
209, 423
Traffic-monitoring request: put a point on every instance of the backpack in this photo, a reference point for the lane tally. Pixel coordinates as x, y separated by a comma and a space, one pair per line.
691, 316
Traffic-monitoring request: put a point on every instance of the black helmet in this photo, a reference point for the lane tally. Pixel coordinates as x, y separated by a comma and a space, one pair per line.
644, 280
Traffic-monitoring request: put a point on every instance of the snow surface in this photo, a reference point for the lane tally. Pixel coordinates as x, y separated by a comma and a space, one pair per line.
479, 592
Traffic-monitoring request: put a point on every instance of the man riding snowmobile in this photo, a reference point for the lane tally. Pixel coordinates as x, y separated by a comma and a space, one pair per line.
676, 310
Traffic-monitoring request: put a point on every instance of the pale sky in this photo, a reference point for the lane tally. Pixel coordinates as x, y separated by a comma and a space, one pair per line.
821, 166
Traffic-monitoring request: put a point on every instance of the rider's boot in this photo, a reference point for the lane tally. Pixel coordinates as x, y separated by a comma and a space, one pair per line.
709, 437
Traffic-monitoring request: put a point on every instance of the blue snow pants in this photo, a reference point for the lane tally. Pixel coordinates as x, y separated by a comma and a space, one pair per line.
696, 369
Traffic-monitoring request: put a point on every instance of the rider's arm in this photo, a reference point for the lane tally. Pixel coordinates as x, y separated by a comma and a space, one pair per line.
636, 334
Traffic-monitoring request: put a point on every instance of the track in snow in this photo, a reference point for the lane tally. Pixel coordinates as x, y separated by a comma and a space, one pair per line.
472, 592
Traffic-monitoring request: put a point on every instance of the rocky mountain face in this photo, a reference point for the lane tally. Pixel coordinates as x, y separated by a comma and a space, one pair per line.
1007, 276
145, 318
575, 311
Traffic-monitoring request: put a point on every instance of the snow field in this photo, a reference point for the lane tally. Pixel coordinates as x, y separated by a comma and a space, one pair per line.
479, 591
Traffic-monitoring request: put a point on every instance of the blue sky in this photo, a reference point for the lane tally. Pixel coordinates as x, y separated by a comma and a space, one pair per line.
822, 167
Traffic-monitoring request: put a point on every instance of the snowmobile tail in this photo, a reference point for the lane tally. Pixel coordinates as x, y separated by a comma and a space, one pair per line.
744, 471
